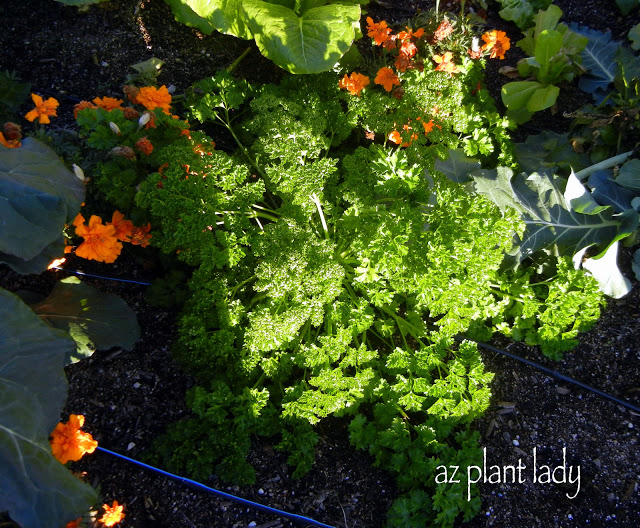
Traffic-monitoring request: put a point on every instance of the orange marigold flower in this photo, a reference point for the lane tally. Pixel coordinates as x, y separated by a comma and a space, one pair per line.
108, 103
409, 48
100, 241
497, 42
12, 131
68, 442
354, 83
443, 30
390, 43
409, 34
398, 92
140, 235
151, 97
112, 514
9, 143
395, 137
131, 92
444, 63
130, 113
144, 145
428, 127
403, 62
379, 32
43, 109
81, 106
124, 228
78, 220
74, 524
387, 78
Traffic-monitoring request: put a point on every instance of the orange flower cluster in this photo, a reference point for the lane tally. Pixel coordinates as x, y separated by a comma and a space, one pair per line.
149, 96
43, 109
68, 442
444, 29
396, 137
112, 514
445, 64
497, 43
354, 83
103, 242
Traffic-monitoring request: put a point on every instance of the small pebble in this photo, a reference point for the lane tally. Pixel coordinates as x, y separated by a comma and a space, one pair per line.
252, 523
131, 446
136, 385
516, 443
260, 491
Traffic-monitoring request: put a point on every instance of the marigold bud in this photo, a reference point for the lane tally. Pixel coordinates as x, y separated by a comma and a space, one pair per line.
144, 119
115, 128
78, 172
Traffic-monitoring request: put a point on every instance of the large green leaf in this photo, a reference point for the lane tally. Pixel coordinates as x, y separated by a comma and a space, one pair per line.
547, 45
516, 96
38, 196
543, 98
94, 319
629, 175
634, 37
35, 488
605, 270
457, 166
310, 43
627, 5
549, 219
599, 61
225, 16
549, 149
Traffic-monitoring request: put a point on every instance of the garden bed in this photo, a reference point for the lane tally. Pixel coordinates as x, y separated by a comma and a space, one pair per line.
129, 397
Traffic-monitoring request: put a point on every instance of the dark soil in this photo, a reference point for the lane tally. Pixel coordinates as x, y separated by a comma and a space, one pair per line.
129, 397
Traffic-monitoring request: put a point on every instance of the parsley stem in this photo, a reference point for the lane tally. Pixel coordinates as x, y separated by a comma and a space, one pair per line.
235, 289
316, 200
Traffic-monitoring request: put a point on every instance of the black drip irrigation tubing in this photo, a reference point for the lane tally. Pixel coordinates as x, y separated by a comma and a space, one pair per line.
557, 375
197, 485
533, 364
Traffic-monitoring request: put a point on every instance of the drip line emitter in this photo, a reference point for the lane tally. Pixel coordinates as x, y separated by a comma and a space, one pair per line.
299, 518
